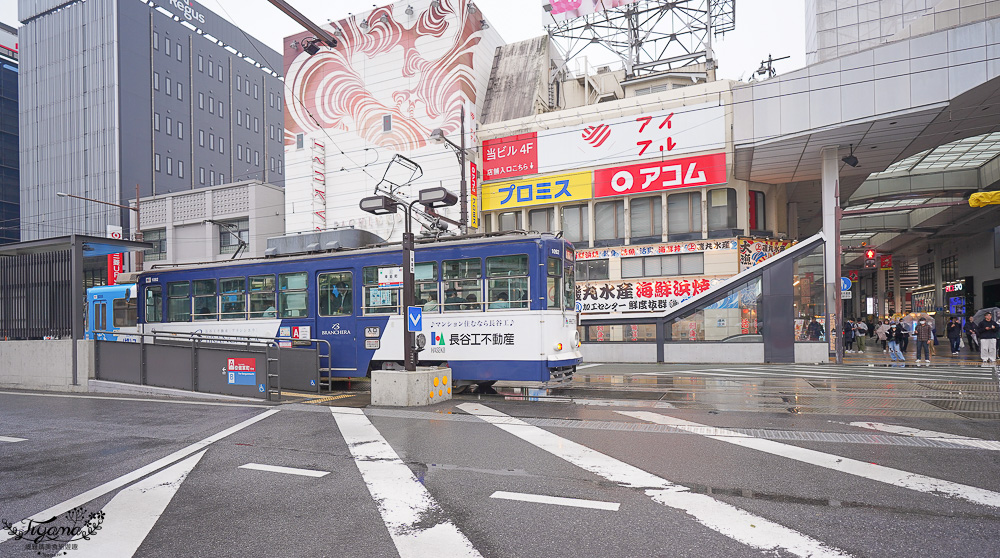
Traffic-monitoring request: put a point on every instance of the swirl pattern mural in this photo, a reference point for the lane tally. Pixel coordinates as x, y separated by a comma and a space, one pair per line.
417, 68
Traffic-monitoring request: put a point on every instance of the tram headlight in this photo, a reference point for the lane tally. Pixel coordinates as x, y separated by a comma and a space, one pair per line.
576, 337
558, 347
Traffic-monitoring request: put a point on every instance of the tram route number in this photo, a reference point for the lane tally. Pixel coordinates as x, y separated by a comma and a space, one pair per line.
372, 344
373, 332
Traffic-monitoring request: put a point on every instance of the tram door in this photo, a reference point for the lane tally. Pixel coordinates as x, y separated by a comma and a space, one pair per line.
336, 319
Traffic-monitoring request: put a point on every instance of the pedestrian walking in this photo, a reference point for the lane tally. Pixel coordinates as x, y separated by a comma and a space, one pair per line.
925, 335
814, 330
848, 336
906, 335
896, 335
970, 333
954, 334
862, 332
987, 332
882, 334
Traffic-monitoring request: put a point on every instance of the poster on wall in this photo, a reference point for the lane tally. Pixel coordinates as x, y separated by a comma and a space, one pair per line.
655, 249
639, 295
754, 251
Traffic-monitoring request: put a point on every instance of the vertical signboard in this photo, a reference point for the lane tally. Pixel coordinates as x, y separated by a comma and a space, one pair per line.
473, 196
885, 261
115, 266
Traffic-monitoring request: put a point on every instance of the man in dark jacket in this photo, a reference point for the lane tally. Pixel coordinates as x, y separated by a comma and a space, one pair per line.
814, 330
954, 334
971, 336
924, 335
987, 332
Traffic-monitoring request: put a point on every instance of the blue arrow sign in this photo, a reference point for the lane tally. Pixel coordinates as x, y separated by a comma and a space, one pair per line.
845, 284
414, 318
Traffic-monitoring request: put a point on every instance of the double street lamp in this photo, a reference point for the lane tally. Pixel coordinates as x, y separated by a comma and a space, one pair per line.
384, 205
138, 229
438, 136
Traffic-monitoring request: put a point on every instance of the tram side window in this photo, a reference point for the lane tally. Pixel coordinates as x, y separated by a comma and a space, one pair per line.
379, 300
154, 304
124, 312
293, 294
335, 297
178, 302
425, 286
206, 305
463, 284
262, 299
233, 298
507, 286
554, 270
100, 316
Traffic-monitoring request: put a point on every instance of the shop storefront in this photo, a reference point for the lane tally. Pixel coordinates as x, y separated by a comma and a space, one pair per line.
958, 298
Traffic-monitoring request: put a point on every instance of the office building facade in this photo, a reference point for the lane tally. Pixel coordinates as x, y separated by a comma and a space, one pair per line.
120, 95
9, 183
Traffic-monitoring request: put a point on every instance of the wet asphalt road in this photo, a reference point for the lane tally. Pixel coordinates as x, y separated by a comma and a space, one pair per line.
905, 484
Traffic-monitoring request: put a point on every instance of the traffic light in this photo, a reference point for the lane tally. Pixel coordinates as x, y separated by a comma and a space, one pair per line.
870, 258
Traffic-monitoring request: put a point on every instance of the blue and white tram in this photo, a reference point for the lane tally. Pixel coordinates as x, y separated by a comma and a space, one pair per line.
494, 308
111, 313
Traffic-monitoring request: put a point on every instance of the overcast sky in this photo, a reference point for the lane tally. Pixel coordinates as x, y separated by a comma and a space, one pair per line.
763, 27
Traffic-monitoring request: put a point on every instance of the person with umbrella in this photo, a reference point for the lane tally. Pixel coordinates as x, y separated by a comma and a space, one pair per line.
987, 332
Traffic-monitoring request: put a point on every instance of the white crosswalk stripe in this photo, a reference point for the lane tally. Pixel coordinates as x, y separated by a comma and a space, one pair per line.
826, 371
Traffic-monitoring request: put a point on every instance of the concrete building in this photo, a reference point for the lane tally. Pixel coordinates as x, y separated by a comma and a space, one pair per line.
168, 97
10, 221
191, 226
399, 72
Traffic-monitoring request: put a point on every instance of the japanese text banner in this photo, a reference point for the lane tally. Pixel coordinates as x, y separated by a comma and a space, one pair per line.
557, 188
704, 170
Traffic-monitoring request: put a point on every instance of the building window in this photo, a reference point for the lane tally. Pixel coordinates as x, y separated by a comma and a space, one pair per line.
169, 89
663, 266
201, 64
271, 101
510, 221
248, 120
227, 243
239, 82
949, 269
272, 164
541, 219
201, 138
180, 130
222, 108
220, 73
156, 81
180, 169
256, 123
255, 91
592, 270
170, 165
721, 212
211, 178
166, 44
646, 218
684, 216
158, 238
170, 127
239, 151
156, 162
156, 121
239, 117
576, 223
279, 102
201, 100
256, 158
279, 166
211, 142
211, 105
180, 91
222, 178
201, 175
211, 68
222, 144
271, 131
609, 220
387, 123
758, 221
926, 274
178, 49
299, 141
156, 41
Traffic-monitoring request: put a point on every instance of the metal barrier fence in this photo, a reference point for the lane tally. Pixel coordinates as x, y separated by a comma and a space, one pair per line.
238, 365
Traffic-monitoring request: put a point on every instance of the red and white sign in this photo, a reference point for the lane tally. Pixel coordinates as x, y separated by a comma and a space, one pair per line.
115, 268
653, 135
853, 276
654, 176
510, 156
241, 365
885, 261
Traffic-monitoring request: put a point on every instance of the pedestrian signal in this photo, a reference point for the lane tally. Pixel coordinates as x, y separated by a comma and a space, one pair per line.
870, 258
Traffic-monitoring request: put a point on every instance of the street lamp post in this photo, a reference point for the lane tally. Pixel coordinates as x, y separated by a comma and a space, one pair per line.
138, 228
438, 136
382, 205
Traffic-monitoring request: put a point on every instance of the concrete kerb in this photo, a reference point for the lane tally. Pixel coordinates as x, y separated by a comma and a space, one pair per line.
104, 386
399, 388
